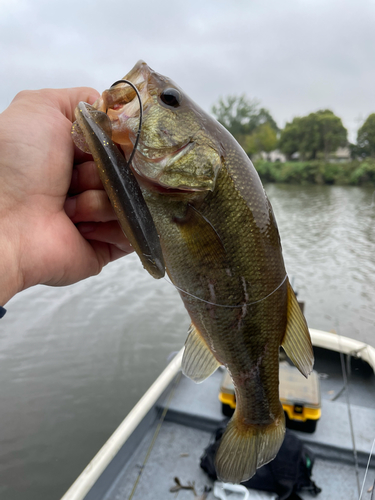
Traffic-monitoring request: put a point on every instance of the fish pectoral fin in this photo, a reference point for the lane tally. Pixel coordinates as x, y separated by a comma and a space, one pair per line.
297, 341
198, 362
202, 239
245, 448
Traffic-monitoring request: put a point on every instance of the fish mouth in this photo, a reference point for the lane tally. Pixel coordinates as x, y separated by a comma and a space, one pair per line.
149, 163
153, 166
122, 107
120, 103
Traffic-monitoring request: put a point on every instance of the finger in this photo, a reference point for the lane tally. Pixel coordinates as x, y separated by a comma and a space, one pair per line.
107, 232
84, 177
67, 99
92, 205
105, 252
80, 156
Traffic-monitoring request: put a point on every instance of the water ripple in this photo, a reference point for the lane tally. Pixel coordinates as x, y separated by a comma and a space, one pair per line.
74, 360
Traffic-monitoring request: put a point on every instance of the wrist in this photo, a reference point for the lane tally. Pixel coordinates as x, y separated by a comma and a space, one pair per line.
10, 272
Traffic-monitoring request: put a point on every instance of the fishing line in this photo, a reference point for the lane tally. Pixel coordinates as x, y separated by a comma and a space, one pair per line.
128, 163
222, 305
346, 385
368, 465
156, 433
140, 116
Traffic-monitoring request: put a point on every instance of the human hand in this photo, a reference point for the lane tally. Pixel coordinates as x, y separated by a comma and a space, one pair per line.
46, 238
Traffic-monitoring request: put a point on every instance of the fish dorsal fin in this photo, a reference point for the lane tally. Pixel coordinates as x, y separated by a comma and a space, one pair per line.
297, 341
198, 362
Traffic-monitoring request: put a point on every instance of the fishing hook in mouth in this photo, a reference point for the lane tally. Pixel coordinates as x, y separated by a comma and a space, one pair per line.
140, 116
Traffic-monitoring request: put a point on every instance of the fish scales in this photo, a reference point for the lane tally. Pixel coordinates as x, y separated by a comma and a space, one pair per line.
222, 250
246, 339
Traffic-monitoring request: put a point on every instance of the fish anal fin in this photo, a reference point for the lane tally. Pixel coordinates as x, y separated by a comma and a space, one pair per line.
297, 341
198, 362
243, 449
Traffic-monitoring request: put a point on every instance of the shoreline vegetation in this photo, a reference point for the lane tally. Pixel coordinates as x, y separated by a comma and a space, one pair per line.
351, 173
311, 149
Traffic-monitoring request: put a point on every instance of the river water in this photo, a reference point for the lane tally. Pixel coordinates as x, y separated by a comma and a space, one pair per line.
74, 360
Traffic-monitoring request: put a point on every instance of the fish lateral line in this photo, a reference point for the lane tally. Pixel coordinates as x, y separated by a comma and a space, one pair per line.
223, 305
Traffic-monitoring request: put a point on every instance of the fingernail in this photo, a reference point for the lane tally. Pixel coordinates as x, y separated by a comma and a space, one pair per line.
86, 227
70, 206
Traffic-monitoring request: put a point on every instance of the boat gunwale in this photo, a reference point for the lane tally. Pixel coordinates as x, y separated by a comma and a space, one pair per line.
335, 342
87, 479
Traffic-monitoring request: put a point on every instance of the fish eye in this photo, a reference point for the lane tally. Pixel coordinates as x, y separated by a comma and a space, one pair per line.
171, 97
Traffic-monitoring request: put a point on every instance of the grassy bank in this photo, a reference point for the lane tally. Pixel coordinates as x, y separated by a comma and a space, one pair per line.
354, 173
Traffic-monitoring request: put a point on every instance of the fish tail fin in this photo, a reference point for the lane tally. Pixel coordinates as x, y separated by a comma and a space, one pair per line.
244, 448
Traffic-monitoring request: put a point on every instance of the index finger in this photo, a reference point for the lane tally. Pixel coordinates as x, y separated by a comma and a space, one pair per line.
67, 99
64, 100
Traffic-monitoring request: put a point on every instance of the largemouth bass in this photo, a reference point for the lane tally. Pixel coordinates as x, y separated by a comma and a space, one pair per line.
222, 251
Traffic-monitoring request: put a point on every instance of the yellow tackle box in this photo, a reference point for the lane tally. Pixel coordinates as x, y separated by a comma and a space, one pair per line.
299, 396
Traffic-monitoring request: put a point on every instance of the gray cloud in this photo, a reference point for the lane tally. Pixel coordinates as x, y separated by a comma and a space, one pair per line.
295, 56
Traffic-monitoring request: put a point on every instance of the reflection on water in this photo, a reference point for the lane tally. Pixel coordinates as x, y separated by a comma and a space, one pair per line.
75, 360
328, 239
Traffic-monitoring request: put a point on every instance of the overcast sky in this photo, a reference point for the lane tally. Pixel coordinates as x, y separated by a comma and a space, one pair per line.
294, 56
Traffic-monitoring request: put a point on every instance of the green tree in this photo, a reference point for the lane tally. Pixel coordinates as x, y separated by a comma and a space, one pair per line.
302, 136
366, 138
252, 126
291, 137
264, 138
332, 132
320, 132
236, 113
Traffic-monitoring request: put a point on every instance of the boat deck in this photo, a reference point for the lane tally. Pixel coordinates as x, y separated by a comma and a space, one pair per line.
177, 453
194, 412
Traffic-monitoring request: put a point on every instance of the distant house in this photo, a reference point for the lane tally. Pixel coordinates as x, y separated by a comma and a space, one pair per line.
340, 155
295, 156
273, 156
